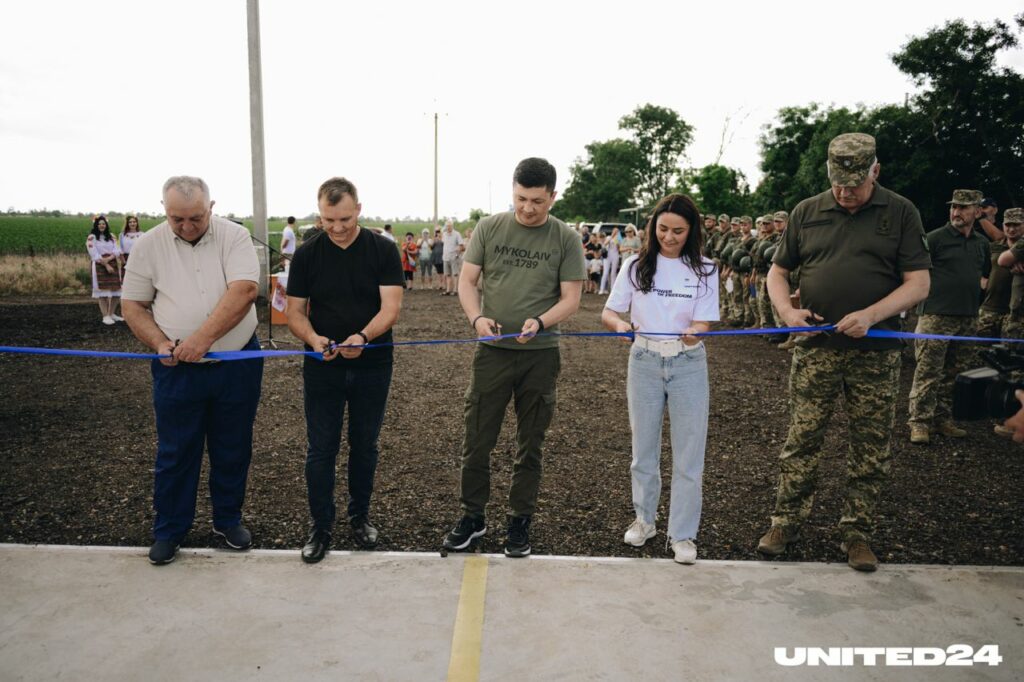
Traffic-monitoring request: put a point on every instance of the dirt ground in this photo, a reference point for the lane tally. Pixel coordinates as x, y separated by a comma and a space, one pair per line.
77, 456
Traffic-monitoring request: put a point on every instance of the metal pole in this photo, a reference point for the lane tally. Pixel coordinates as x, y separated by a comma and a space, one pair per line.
435, 168
259, 164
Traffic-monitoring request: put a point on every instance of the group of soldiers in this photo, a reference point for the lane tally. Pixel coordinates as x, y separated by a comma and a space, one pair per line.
743, 248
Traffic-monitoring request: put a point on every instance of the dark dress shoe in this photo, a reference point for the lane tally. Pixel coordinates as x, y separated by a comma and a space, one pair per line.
364, 532
316, 547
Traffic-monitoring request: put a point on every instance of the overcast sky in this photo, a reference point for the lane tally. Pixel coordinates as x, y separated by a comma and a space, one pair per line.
101, 101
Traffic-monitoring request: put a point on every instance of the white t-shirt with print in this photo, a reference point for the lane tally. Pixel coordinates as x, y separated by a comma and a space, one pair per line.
674, 302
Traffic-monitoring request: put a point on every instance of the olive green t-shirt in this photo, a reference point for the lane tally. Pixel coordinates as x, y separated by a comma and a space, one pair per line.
958, 264
523, 269
1000, 280
849, 262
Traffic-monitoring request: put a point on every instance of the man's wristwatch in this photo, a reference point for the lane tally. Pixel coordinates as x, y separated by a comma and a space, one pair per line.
540, 323
366, 339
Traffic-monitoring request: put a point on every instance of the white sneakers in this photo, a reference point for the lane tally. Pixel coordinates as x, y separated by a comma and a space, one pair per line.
108, 320
685, 551
117, 318
639, 533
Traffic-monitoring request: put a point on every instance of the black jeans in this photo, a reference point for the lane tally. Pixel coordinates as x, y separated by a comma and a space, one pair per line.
327, 388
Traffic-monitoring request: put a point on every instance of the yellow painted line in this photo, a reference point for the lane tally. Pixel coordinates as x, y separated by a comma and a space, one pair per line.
467, 638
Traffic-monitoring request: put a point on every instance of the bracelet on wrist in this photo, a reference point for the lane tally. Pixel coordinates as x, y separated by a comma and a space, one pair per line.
366, 339
475, 320
540, 323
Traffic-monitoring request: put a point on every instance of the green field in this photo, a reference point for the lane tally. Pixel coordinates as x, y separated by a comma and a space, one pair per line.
23, 235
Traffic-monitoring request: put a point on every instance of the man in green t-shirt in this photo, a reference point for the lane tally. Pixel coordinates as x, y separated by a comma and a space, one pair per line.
862, 258
960, 268
532, 269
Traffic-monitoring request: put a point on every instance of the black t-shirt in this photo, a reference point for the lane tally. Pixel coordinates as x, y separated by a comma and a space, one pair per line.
343, 288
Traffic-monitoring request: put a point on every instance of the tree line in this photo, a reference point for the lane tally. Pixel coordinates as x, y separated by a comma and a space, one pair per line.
963, 129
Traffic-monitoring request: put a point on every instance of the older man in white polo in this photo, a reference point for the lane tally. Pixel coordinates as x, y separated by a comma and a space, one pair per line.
189, 290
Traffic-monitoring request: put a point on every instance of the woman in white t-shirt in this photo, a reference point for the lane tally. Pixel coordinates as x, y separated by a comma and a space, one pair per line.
667, 287
128, 236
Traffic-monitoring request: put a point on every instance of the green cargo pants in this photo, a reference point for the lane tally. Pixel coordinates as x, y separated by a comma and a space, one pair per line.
498, 375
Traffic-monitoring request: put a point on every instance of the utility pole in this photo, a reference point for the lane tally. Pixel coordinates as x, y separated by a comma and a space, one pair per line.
435, 168
259, 164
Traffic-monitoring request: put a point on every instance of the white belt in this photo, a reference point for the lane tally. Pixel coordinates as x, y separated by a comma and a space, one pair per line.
667, 349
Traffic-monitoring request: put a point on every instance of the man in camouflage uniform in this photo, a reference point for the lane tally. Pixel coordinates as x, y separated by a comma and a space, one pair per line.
960, 268
740, 296
995, 307
768, 237
717, 244
1013, 258
730, 278
861, 253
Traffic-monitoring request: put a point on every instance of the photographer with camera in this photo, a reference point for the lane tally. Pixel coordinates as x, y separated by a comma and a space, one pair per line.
960, 269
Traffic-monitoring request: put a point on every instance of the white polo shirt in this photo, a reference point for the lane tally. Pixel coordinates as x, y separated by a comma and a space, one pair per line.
185, 282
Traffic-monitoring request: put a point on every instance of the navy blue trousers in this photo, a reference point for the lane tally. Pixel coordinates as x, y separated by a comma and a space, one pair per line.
328, 388
211, 404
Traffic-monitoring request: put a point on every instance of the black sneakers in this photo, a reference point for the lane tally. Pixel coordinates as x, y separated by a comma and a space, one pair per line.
163, 552
364, 532
518, 542
238, 537
467, 530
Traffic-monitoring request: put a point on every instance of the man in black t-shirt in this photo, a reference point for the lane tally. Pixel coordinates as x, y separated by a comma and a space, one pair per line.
344, 291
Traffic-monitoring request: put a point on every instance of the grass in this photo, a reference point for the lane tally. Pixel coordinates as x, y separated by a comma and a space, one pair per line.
38, 235
48, 274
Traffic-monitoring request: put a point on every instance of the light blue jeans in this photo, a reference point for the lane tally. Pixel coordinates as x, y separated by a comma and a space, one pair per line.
681, 382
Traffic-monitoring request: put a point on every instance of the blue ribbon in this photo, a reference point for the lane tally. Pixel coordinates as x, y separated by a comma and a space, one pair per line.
253, 354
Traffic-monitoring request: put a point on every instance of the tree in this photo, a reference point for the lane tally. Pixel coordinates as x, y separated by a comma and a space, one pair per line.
718, 188
603, 183
475, 214
972, 132
662, 137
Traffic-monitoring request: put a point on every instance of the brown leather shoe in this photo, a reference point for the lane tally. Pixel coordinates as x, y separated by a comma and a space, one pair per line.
774, 542
859, 556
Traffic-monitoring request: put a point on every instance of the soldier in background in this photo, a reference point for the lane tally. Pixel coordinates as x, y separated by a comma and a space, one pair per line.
744, 272
861, 253
1013, 258
960, 268
767, 238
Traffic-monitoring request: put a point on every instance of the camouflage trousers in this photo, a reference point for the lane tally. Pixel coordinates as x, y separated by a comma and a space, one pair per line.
868, 382
938, 363
723, 300
992, 324
749, 305
735, 309
1013, 326
766, 312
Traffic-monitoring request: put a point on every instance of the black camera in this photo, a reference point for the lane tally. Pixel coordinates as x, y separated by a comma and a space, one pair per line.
987, 392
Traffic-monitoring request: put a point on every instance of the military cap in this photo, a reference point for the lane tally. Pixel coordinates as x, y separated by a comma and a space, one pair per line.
746, 219
780, 215
1013, 215
850, 157
989, 201
767, 218
723, 217
966, 197
735, 221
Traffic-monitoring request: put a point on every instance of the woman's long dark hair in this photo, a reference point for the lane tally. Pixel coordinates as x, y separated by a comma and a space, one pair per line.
642, 272
95, 231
